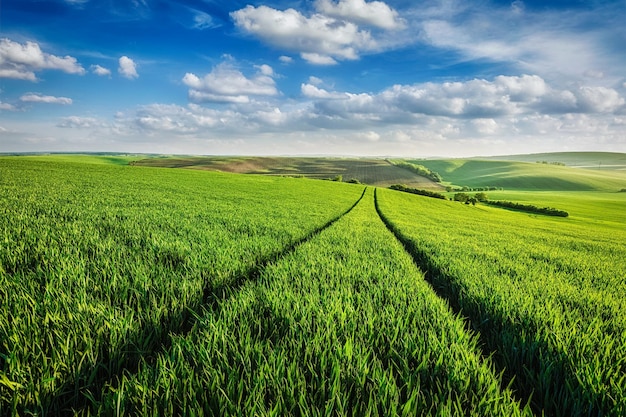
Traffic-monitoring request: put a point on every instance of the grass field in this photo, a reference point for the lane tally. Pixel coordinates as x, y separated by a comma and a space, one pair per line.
131, 290
593, 160
525, 176
544, 293
378, 172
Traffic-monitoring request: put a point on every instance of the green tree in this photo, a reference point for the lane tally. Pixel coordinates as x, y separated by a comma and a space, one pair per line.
462, 197
481, 197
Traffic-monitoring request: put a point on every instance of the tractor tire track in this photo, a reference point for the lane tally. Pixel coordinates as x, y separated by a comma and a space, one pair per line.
79, 398
441, 283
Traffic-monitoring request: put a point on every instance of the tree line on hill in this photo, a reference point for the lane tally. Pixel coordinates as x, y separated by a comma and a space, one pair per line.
420, 170
548, 211
481, 197
450, 189
426, 193
561, 164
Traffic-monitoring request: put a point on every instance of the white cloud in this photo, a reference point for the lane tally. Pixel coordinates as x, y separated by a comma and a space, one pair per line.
21, 61
285, 59
473, 99
317, 59
369, 136
7, 106
319, 39
202, 21
556, 45
311, 91
101, 71
77, 122
265, 70
523, 88
375, 13
315, 80
598, 100
477, 116
38, 98
485, 126
227, 84
127, 68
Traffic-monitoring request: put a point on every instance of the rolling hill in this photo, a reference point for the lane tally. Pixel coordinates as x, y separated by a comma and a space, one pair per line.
532, 176
378, 172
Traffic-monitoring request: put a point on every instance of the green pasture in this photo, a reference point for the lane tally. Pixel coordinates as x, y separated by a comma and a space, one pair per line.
592, 160
104, 159
343, 325
585, 207
546, 294
100, 263
525, 176
370, 171
134, 290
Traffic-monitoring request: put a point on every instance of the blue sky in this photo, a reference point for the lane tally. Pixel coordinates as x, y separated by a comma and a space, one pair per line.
318, 77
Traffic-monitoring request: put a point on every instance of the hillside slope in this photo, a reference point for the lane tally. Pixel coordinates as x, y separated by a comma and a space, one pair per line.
595, 160
513, 175
378, 172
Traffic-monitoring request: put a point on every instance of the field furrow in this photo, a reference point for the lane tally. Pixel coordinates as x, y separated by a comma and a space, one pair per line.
546, 295
343, 325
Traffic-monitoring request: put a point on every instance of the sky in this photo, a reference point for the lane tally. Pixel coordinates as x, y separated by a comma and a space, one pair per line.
319, 77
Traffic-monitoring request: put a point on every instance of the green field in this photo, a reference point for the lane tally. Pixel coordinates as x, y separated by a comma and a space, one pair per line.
133, 290
378, 172
593, 160
526, 176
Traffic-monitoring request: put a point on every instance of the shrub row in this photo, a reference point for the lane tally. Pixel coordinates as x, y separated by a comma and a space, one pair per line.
466, 188
548, 211
433, 194
420, 170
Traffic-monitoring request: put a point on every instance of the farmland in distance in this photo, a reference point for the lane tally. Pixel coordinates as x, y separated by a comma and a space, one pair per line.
141, 290
379, 172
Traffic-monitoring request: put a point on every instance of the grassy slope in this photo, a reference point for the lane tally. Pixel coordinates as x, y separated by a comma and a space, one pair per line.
88, 252
548, 290
369, 171
604, 160
529, 176
121, 159
343, 325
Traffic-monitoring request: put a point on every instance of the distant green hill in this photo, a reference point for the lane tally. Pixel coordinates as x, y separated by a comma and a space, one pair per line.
513, 175
596, 160
372, 171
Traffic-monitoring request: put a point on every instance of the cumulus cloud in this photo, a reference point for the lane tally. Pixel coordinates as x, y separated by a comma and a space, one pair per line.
375, 13
77, 122
101, 71
552, 44
485, 126
226, 84
315, 80
498, 115
598, 100
37, 98
7, 106
319, 39
127, 68
154, 119
21, 61
285, 59
311, 91
473, 99
265, 70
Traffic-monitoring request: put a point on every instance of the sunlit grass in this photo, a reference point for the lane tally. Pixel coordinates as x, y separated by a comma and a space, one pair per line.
546, 294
